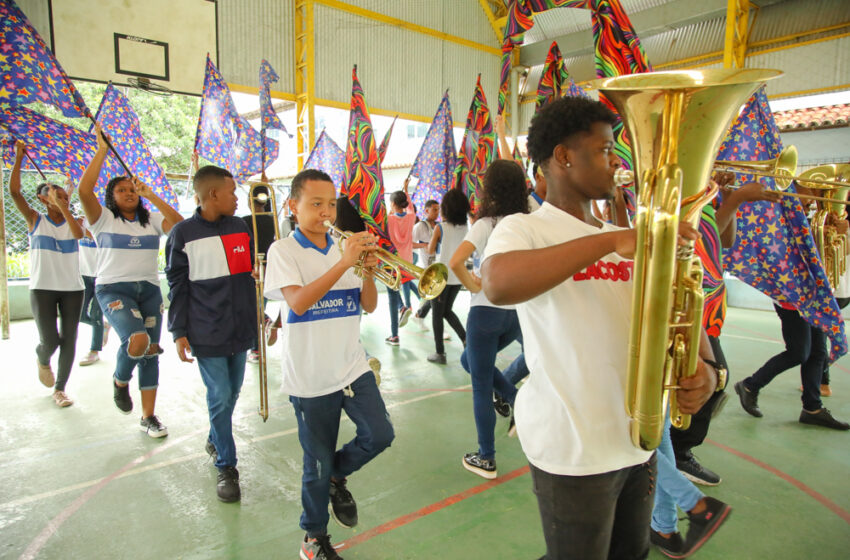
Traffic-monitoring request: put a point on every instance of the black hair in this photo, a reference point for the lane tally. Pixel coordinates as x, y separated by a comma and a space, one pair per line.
562, 119
209, 172
43, 189
430, 203
347, 216
142, 213
534, 168
260, 190
399, 199
306, 175
505, 190
455, 207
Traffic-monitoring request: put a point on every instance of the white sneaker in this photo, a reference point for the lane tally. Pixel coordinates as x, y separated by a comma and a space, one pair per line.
90, 358
153, 427
447, 336
420, 322
405, 315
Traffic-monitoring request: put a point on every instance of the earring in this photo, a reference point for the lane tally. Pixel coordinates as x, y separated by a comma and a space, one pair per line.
568, 164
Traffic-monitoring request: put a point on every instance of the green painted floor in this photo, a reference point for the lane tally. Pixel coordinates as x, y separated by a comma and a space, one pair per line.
84, 482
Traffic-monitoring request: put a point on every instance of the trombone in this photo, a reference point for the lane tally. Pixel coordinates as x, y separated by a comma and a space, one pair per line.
267, 199
432, 280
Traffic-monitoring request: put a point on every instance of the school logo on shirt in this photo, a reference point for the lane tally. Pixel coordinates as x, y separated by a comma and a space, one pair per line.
336, 304
601, 270
135, 243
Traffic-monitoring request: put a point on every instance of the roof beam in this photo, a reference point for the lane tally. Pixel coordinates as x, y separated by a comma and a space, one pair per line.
491, 17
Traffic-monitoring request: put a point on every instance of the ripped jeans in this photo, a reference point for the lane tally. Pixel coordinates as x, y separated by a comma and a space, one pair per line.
134, 308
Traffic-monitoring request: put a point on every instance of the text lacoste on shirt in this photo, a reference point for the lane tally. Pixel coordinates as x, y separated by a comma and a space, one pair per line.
600, 270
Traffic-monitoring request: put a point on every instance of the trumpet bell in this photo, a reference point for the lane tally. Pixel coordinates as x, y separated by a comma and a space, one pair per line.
782, 168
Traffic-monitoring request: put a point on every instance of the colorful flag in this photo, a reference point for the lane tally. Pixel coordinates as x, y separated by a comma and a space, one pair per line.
435, 163
328, 157
28, 70
555, 81
478, 148
364, 183
118, 119
268, 117
774, 251
382, 149
223, 137
54, 146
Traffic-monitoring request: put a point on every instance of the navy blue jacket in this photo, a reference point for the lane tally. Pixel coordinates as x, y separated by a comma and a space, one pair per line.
213, 295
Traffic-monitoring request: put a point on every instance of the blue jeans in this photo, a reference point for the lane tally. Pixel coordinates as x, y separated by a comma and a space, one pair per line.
92, 315
318, 428
672, 488
134, 308
517, 371
396, 304
488, 330
223, 377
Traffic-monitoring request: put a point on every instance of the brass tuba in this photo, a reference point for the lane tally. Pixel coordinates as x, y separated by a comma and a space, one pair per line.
831, 244
676, 121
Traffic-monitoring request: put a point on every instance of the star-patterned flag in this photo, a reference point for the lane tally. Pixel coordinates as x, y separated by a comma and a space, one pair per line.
54, 146
774, 251
364, 183
382, 149
28, 70
555, 81
435, 163
478, 148
226, 139
328, 157
118, 119
268, 117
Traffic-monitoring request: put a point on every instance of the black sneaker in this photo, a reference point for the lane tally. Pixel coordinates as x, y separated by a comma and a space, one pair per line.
121, 396
437, 358
318, 548
227, 487
153, 427
749, 399
695, 472
703, 525
822, 418
502, 407
211, 450
343, 506
473, 462
672, 546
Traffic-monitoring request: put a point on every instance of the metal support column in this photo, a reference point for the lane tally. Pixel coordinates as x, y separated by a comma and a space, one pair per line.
305, 79
737, 33
4, 279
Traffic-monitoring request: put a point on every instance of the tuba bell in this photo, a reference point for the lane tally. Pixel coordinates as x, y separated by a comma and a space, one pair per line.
676, 121
831, 244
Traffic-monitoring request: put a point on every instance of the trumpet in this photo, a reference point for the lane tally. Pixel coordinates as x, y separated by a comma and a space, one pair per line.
431, 281
783, 168
260, 266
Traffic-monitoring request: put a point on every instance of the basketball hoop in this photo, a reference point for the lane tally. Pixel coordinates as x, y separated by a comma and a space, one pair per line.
145, 84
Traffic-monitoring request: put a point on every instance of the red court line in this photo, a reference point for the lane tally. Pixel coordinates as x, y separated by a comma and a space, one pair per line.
429, 509
829, 504
468, 390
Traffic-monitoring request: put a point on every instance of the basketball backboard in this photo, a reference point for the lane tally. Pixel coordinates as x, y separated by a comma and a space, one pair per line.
165, 41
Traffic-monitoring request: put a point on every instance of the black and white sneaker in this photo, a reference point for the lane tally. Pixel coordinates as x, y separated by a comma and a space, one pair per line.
227, 486
473, 462
211, 450
318, 548
153, 427
696, 473
501, 406
343, 506
121, 396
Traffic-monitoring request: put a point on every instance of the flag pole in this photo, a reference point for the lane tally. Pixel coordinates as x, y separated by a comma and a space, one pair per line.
32, 161
111, 147
4, 278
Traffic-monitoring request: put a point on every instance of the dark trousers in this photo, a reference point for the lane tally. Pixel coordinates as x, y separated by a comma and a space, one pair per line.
596, 517
442, 306
92, 315
805, 346
47, 306
685, 440
842, 303
318, 428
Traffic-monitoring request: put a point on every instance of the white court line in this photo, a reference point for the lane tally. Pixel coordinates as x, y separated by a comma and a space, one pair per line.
757, 339
139, 470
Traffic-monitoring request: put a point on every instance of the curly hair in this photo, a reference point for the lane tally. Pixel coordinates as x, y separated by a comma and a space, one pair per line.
505, 190
399, 199
455, 207
142, 213
560, 120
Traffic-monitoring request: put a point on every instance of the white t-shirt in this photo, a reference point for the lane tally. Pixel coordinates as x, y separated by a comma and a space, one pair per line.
321, 350
842, 290
450, 240
570, 414
478, 235
534, 201
127, 251
88, 254
422, 233
54, 262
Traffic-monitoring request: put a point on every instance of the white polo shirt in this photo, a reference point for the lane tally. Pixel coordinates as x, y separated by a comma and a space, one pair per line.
321, 350
570, 415
422, 233
88, 253
54, 258
478, 236
127, 251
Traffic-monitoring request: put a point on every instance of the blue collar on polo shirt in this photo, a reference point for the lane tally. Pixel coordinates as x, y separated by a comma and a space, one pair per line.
307, 244
400, 214
537, 197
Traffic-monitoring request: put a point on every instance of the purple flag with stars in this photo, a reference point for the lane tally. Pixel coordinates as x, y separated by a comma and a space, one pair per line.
435, 164
268, 116
28, 70
54, 146
226, 139
121, 123
328, 157
774, 251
